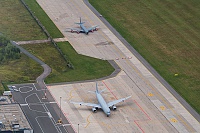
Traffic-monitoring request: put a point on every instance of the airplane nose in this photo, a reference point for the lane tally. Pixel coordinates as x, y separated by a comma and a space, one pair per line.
108, 114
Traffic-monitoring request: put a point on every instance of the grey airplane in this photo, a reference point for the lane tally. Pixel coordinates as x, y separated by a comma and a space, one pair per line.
84, 29
102, 103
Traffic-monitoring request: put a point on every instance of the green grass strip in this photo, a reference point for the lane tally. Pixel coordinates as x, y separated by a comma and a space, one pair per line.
44, 19
85, 68
16, 22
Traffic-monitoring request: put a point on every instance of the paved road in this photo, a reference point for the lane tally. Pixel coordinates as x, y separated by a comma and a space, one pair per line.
43, 114
27, 53
145, 63
40, 79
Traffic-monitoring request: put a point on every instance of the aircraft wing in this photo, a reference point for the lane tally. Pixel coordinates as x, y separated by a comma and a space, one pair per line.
87, 104
76, 30
117, 101
93, 28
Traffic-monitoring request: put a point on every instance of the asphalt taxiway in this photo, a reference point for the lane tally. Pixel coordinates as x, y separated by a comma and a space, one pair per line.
152, 107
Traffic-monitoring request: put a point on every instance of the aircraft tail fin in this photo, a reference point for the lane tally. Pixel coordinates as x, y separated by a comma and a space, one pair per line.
97, 88
100, 90
80, 22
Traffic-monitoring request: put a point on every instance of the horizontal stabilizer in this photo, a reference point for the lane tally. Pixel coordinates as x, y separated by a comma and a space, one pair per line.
102, 91
92, 92
80, 23
86, 104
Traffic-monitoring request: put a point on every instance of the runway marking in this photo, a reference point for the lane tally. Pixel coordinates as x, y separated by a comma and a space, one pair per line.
88, 121
70, 93
25, 104
106, 125
52, 119
49, 114
37, 89
109, 90
43, 103
61, 110
159, 95
50, 102
34, 86
25, 91
66, 125
150, 94
173, 120
162, 107
138, 125
46, 111
33, 103
39, 124
56, 127
142, 109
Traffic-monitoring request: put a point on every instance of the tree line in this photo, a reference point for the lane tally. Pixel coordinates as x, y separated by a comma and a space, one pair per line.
7, 50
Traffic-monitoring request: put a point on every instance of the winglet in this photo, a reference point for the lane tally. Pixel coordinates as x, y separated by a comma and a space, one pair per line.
102, 90
127, 97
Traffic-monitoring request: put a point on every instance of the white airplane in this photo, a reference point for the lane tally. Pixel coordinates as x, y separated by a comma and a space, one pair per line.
84, 29
102, 103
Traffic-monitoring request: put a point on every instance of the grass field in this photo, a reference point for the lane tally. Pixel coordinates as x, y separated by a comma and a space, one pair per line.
16, 23
44, 19
166, 34
19, 71
84, 67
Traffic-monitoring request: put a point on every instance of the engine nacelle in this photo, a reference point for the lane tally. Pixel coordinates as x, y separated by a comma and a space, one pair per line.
114, 107
94, 109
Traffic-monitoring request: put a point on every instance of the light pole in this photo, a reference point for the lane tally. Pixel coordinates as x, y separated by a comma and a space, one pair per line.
60, 108
78, 128
60, 120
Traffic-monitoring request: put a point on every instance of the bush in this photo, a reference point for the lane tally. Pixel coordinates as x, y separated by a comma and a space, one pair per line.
8, 51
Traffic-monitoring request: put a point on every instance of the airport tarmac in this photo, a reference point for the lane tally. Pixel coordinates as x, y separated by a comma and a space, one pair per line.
152, 108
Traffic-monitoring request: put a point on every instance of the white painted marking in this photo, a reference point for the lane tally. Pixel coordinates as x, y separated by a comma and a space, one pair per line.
39, 124
49, 114
52, 102
31, 88
66, 125
24, 104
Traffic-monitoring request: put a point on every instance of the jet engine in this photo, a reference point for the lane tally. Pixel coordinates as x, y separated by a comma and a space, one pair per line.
94, 109
114, 107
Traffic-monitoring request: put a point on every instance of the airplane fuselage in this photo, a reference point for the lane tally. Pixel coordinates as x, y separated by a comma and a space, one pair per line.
103, 104
84, 29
